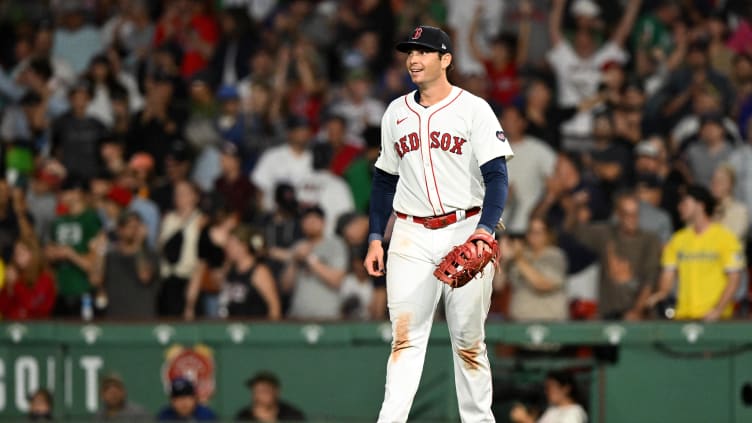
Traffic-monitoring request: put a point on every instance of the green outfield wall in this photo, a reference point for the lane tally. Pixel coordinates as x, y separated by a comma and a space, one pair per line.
650, 372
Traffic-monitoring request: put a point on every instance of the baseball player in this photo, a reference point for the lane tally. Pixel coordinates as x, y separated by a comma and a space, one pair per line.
442, 172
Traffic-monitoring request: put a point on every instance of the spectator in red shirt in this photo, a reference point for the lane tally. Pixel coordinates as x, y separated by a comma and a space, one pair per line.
343, 149
188, 24
504, 54
29, 290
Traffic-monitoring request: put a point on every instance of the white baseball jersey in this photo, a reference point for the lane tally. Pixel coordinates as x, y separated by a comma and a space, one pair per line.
437, 151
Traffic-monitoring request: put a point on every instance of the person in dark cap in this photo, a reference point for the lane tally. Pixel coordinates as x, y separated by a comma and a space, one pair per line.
266, 405
233, 185
705, 257
115, 403
184, 404
177, 166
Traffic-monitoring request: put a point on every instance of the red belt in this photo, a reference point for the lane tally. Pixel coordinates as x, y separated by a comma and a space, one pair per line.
438, 222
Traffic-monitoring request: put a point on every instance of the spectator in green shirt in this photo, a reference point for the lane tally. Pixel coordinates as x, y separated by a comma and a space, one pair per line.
69, 250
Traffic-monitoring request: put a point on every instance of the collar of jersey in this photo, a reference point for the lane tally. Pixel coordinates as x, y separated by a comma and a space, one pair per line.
414, 99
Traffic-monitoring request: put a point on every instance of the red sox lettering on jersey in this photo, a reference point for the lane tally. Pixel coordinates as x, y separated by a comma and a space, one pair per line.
444, 141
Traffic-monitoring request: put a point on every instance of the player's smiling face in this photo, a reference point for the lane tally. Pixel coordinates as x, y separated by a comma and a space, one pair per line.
425, 66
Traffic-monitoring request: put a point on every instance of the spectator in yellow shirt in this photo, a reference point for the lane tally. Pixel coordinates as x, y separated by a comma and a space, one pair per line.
705, 257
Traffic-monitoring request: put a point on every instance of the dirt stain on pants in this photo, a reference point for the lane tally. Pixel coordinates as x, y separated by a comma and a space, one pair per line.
401, 335
470, 356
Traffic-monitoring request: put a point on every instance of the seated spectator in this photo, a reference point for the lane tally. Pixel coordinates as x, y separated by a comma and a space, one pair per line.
128, 271
177, 169
687, 131
28, 291
230, 122
536, 270
76, 135
705, 258
705, 156
178, 243
628, 256
112, 154
41, 196
266, 405
357, 291
41, 405
115, 403
249, 288
730, 213
184, 404
562, 394
610, 160
315, 270
69, 249
291, 163
534, 162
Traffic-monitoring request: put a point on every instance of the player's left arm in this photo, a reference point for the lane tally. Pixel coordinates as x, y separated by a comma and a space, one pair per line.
491, 150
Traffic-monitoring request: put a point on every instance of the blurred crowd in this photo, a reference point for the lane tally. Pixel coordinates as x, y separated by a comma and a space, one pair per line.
212, 158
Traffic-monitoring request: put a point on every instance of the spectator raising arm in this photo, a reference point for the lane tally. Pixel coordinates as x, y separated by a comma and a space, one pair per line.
622, 31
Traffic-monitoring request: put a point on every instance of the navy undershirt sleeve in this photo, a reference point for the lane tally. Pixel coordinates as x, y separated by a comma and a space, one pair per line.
495, 177
382, 195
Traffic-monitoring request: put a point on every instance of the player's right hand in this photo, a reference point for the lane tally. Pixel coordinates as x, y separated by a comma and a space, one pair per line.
374, 261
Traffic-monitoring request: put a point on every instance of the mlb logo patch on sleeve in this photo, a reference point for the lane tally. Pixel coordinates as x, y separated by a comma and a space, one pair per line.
500, 135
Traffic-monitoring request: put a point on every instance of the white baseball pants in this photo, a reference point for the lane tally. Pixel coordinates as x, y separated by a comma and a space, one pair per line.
412, 294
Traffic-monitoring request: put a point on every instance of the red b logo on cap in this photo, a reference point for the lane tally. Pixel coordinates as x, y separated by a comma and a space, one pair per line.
418, 32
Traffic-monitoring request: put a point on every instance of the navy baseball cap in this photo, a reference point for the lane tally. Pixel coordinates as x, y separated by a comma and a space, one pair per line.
181, 387
427, 37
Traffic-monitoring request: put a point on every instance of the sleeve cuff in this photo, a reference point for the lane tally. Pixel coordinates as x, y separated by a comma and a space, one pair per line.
485, 228
375, 237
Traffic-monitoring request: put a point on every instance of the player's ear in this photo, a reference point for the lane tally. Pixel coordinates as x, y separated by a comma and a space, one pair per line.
446, 61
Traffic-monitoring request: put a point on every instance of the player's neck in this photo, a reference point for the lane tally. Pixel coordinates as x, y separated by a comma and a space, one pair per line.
433, 92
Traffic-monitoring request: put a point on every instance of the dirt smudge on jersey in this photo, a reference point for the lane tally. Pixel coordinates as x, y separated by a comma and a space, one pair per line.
470, 356
401, 335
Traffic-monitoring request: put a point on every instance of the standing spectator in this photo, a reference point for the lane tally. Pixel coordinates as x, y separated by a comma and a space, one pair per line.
730, 213
629, 259
177, 168
105, 86
188, 24
577, 65
41, 198
115, 403
229, 63
359, 107
705, 257
41, 405
76, 42
206, 282
360, 172
536, 270
154, 129
344, 148
184, 404
131, 30
460, 18
533, 164
503, 57
357, 291
178, 243
652, 218
127, 273
249, 288
291, 163
233, 187
69, 249
266, 405
653, 35
75, 135
315, 270
705, 156
29, 288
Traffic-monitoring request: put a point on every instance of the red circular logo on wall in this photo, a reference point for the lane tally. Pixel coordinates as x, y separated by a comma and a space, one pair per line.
195, 364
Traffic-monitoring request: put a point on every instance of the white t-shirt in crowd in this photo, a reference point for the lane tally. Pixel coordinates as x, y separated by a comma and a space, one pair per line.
281, 165
330, 192
573, 413
459, 18
533, 164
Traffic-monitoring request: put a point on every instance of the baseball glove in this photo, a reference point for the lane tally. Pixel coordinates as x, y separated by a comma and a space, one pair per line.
462, 263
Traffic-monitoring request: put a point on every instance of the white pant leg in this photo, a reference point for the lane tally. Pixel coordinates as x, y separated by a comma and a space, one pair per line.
412, 295
466, 312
